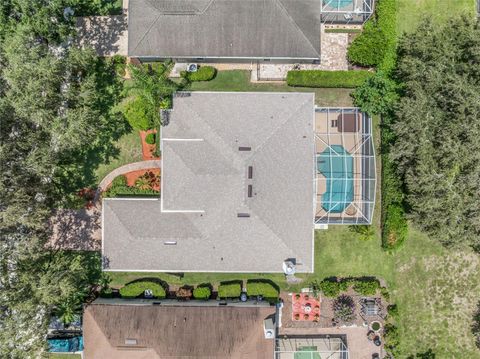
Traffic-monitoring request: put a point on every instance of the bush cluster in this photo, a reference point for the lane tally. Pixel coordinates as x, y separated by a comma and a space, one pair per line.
263, 288
203, 73
136, 289
229, 290
366, 287
375, 46
332, 287
319, 78
138, 115
119, 188
150, 138
202, 293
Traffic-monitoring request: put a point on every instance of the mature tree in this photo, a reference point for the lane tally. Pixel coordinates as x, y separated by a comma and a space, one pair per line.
437, 129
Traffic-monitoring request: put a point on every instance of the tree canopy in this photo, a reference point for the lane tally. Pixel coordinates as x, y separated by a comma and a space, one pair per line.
436, 131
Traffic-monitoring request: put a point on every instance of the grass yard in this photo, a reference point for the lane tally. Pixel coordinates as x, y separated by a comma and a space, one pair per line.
410, 12
239, 80
129, 150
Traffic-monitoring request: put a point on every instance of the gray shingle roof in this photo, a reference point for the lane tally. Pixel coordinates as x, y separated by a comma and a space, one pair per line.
204, 171
224, 28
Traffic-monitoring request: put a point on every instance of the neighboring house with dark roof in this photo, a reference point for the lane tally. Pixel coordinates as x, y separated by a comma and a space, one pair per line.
190, 330
213, 30
238, 189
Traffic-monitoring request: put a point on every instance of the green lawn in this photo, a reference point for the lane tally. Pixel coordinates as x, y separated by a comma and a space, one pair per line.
239, 80
410, 12
129, 150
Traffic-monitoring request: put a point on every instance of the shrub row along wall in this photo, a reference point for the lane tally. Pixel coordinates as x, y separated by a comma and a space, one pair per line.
135, 289
363, 286
204, 73
119, 188
375, 46
332, 79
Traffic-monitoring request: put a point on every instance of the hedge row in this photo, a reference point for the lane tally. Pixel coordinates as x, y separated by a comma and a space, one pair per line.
229, 290
202, 293
319, 78
376, 45
262, 288
136, 289
203, 73
364, 286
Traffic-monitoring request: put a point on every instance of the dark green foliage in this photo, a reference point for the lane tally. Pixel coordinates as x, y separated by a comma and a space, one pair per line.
136, 289
106, 293
343, 31
377, 95
138, 115
385, 293
436, 130
150, 138
119, 63
97, 7
319, 78
476, 326
392, 310
266, 289
395, 227
392, 338
366, 286
344, 308
202, 292
119, 188
204, 73
332, 287
429, 354
375, 46
229, 290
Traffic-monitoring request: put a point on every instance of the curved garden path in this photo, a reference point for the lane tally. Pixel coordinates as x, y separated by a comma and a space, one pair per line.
135, 166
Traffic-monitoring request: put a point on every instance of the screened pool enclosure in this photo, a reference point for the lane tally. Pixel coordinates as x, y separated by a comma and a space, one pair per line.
311, 347
346, 11
345, 166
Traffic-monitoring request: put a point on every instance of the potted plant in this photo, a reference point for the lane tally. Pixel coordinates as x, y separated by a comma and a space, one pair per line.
296, 316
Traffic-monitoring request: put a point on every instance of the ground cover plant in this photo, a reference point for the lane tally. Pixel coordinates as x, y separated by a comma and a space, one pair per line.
319, 78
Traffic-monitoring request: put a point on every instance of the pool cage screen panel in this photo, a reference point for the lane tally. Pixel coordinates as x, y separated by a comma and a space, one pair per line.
345, 166
311, 347
346, 11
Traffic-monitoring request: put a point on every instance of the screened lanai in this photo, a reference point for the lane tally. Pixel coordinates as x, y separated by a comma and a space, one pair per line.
345, 163
311, 347
346, 11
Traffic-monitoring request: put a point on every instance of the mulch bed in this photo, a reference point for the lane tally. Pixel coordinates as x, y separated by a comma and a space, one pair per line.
147, 149
133, 176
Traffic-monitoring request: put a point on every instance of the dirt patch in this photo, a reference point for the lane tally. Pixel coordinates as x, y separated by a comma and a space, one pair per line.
148, 151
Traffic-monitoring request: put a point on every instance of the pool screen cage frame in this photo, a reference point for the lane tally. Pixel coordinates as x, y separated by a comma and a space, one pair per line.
355, 13
359, 146
332, 346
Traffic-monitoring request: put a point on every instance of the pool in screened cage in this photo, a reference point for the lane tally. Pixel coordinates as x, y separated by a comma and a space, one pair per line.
337, 4
65, 345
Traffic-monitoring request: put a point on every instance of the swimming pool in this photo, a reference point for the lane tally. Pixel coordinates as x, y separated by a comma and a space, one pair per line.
65, 345
337, 4
336, 164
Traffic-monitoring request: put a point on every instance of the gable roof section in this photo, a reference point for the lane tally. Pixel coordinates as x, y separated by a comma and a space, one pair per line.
175, 332
224, 28
205, 186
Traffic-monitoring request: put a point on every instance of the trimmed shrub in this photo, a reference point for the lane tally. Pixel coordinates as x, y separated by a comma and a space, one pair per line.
366, 287
319, 78
204, 73
136, 289
137, 115
229, 290
332, 288
264, 288
150, 138
375, 46
202, 293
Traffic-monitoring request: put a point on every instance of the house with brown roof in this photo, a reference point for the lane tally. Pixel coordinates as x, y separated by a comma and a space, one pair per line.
144, 329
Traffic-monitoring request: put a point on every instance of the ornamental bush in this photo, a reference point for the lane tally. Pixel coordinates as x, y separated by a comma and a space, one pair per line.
264, 288
150, 138
366, 286
202, 293
332, 287
375, 46
229, 290
136, 289
319, 78
204, 73
137, 114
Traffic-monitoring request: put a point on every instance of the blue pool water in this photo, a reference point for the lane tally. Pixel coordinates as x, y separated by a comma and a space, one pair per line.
65, 345
336, 164
337, 4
